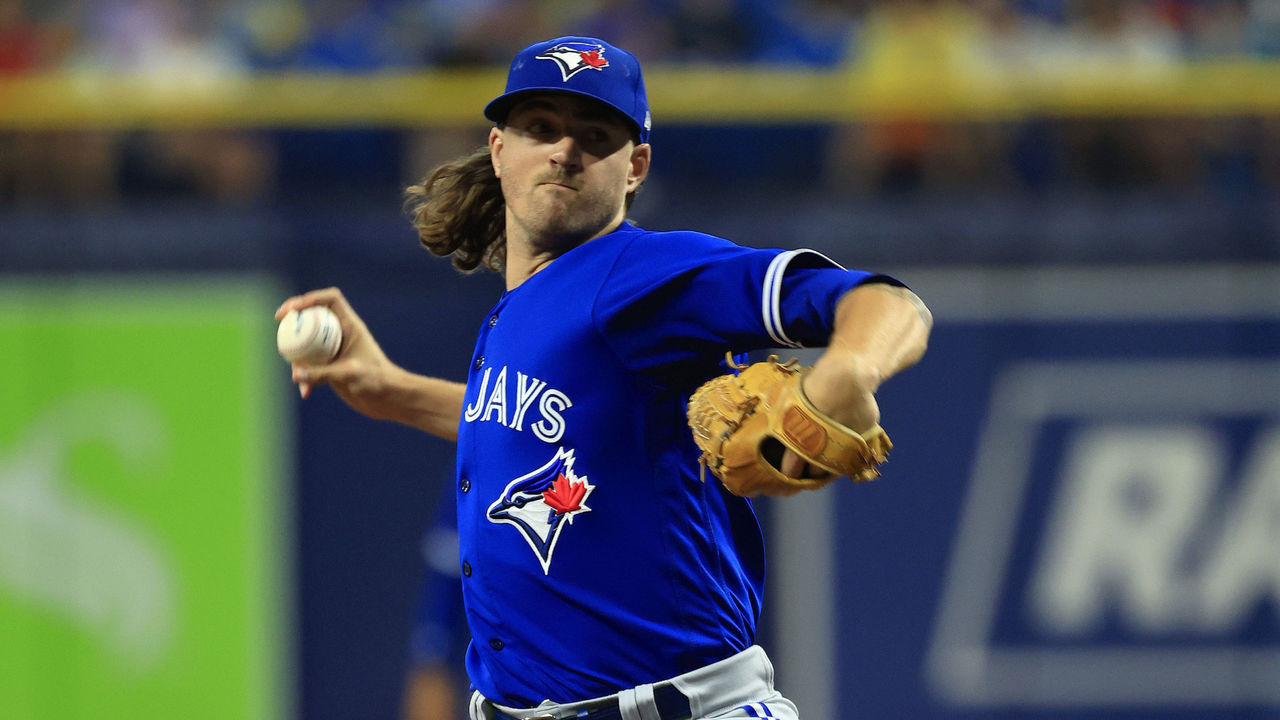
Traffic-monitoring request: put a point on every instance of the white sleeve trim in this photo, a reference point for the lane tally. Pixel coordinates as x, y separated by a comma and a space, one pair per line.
771, 294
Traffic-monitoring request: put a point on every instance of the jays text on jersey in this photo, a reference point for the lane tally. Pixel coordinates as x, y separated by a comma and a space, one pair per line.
593, 557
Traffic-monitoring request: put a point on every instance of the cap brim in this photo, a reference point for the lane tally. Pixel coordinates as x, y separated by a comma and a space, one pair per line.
500, 106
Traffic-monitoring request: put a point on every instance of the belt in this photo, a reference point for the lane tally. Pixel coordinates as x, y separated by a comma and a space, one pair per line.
672, 705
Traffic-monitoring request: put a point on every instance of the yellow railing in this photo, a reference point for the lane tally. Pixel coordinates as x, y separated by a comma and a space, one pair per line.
677, 95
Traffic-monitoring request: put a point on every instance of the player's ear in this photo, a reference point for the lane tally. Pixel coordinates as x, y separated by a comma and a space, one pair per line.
640, 156
495, 149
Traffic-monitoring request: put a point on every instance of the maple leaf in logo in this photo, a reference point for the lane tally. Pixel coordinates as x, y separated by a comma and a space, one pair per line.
564, 496
594, 59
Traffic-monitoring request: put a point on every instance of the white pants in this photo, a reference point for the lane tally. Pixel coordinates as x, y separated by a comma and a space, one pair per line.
738, 687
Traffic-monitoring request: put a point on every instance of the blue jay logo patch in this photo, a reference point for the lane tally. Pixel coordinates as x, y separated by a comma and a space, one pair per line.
574, 57
542, 502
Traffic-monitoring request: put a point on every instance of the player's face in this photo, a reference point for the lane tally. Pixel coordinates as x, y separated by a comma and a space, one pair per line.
566, 165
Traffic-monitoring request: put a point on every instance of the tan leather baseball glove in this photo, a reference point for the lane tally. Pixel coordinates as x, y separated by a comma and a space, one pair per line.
744, 422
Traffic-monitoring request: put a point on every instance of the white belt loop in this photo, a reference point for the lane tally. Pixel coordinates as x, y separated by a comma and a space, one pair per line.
638, 704
646, 703
627, 705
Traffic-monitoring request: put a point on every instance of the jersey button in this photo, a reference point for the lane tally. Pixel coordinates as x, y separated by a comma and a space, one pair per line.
496, 644
466, 569
465, 485
493, 319
479, 362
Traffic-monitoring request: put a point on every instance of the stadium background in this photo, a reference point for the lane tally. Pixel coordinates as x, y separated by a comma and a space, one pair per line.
1087, 192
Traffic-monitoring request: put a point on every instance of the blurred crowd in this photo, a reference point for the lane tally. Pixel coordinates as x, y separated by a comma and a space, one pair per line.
186, 40
228, 36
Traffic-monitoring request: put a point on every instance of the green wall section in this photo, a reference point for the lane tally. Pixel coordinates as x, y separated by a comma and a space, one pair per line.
143, 527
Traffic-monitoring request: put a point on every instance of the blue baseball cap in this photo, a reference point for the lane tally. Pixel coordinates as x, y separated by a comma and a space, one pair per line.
581, 66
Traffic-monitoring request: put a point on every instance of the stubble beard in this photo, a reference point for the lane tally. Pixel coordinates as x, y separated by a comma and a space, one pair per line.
557, 226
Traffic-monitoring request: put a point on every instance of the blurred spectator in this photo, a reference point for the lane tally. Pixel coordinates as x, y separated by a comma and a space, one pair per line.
350, 36
1263, 32
1215, 28
482, 32
231, 167
1130, 33
706, 31
436, 686
22, 41
162, 41
633, 24
73, 167
923, 44
268, 32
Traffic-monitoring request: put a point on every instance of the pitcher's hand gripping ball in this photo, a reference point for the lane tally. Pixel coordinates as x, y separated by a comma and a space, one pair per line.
743, 423
310, 336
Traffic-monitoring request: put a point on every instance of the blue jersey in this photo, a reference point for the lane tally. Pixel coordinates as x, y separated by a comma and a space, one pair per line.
593, 557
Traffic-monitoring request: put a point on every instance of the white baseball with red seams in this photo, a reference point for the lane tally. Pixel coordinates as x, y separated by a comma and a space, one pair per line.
310, 336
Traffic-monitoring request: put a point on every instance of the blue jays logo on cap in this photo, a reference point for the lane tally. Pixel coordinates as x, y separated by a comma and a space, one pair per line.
574, 57
580, 66
542, 502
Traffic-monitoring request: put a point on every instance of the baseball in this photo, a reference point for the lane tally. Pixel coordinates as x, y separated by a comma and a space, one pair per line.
310, 336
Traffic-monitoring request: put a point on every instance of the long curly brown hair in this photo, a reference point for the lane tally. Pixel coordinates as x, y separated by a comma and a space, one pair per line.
458, 210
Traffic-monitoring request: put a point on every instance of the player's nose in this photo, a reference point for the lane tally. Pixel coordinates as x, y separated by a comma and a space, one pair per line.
567, 152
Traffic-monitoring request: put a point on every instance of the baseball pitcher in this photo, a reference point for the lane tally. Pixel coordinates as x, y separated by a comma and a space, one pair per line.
608, 436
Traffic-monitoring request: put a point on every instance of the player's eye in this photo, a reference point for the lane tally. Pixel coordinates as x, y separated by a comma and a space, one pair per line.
535, 126
596, 138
